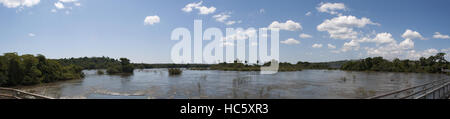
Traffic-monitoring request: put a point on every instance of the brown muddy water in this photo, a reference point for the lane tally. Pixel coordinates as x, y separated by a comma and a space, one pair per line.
211, 84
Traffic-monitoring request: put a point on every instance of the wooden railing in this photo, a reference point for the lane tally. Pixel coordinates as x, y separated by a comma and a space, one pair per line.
439, 89
10, 93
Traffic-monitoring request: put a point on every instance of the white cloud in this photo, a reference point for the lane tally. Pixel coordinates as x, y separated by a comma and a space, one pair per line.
406, 44
150, 20
202, 9
330, 46
331, 8
412, 54
19, 3
308, 13
222, 16
31, 34
241, 34
409, 34
342, 27
290, 41
353, 44
59, 5
392, 50
381, 38
288, 25
438, 35
305, 36
317, 45
230, 22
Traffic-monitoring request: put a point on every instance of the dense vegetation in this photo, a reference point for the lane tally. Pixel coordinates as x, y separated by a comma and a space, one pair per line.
125, 67
283, 66
30, 69
113, 66
147, 66
91, 62
432, 64
174, 71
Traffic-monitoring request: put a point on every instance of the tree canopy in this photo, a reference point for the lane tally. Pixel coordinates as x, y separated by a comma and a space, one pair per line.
432, 64
29, 70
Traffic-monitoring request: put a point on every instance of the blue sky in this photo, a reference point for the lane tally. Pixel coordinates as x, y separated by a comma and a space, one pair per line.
339, 30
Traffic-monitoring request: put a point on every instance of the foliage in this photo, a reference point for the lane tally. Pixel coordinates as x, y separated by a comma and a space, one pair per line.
144, 66
91, 62
432, 64
29, 70
125, 67
174, 71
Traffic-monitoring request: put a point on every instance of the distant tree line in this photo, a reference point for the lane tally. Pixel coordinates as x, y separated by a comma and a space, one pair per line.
432, 64
90, 62
147, 66
30, 69
125, 67
112, 66
283, 66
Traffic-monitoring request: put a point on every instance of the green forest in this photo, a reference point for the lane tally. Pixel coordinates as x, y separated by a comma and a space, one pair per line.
30, 69
112, 66
432, 64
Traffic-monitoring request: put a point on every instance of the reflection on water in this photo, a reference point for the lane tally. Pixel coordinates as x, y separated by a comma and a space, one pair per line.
156, 83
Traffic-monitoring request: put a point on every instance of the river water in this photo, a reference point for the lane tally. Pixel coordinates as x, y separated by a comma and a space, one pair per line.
212, 84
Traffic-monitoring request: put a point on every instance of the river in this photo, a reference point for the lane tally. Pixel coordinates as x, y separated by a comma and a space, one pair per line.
212, 84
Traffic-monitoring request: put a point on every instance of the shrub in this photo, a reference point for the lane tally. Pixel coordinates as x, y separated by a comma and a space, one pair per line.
175, 71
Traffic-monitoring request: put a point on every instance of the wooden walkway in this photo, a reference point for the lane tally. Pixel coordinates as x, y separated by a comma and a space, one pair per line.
10, 93
439, 89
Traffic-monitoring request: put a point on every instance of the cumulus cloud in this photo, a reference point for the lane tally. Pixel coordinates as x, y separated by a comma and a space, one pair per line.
202, 9
289, 25
19, 3
330, 46
413, 54
290, 41
342, 27
305, 36
381, 38
353, 44
241, 34
317, 45
438, 35
410, 34
331, 8
150, 20
390, 48
59, 5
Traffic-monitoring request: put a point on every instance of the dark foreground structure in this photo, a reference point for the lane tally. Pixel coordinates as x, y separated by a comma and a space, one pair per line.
9, 93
